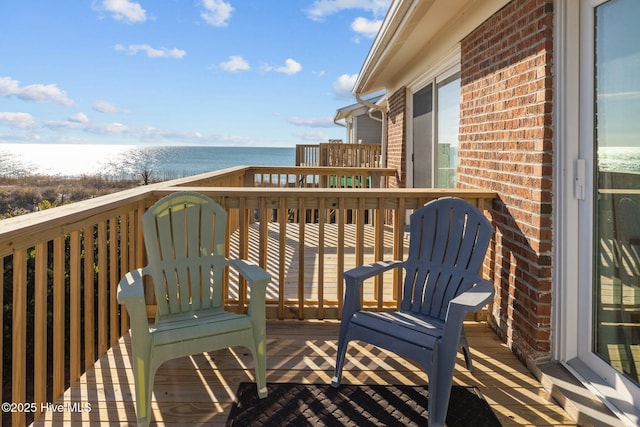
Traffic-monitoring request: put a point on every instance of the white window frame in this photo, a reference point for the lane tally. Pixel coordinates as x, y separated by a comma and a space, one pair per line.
447, 67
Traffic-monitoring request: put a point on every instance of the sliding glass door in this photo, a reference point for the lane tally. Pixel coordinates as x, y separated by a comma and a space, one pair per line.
616, 284
607, 187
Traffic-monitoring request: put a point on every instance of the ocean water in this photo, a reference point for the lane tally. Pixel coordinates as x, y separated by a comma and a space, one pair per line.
129, 161
620, 159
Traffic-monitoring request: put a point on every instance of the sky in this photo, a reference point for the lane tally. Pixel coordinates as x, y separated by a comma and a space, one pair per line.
180, 72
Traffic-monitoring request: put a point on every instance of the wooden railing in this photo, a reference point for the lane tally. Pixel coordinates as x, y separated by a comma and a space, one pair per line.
339, 155
306, 239
308, 155
60, 267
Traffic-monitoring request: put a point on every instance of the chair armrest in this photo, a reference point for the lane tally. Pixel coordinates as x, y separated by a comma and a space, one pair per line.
250, 271
353, 283
258, 279
475, 298
471, 300
131, 294
360, 274
131, 287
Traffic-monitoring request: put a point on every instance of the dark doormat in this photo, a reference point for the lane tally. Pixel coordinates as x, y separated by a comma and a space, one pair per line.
353, 405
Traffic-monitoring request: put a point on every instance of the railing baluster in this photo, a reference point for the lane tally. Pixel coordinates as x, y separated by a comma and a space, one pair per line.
378, 250
59, 326
340, 214
89, 292
263, 217
124, 267
74, 306
243, 251
40, 327
282, 252
398, 248
359, 218
114, 277
102, 288
302, 219
322, 217
19, 335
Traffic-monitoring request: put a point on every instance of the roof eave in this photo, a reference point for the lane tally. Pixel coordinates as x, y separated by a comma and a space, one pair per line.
411, 31
393, 20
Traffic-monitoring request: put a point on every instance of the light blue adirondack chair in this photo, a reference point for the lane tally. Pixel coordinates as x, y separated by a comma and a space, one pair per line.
448, 242
184, 235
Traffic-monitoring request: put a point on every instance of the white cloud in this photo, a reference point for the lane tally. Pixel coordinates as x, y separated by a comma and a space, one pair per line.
107, 107
154, 134
151, 52
18, 120
8, 86
19, 137
343, 86
291, 66
37, 92
318, 122
79, 118
124, 10
322, 8
216, 12
366, 27
313, 136
96, 128
235, 63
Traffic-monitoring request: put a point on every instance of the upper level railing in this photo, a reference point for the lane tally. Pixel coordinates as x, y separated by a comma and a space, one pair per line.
339, 155
60, 267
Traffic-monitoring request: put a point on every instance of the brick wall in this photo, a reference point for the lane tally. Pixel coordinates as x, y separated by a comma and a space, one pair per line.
396, 138
506, 146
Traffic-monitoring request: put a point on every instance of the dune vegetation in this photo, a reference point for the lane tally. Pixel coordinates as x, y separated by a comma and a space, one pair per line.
24, 194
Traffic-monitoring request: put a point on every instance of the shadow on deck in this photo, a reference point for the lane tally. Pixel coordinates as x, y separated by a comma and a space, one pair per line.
200, 390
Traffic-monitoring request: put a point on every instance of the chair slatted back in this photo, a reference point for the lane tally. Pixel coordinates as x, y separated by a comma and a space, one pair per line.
184, 235
448, 241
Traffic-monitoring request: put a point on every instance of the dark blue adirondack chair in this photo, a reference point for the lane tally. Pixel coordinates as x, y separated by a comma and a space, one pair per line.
448, 242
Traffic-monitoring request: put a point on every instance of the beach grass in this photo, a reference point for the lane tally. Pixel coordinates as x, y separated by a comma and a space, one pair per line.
24, 194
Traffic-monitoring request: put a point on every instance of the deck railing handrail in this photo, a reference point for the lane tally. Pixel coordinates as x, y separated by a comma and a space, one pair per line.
67, 261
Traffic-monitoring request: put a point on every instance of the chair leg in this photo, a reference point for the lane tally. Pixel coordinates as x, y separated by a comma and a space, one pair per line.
340, 358
440, 382
465, 351
143, 389
261, 368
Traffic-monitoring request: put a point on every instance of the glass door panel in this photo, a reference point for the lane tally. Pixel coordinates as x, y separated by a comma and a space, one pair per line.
448, 125
423, 137
616, 287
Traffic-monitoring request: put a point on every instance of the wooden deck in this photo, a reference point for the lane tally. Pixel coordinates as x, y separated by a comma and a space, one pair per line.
302, 258
200, 390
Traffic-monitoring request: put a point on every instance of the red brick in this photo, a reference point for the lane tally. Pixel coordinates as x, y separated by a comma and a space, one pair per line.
506, 144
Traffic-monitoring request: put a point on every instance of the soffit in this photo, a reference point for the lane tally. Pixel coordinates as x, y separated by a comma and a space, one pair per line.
411, 29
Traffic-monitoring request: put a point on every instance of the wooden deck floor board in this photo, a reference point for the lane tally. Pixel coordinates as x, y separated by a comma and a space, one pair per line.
200, 390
